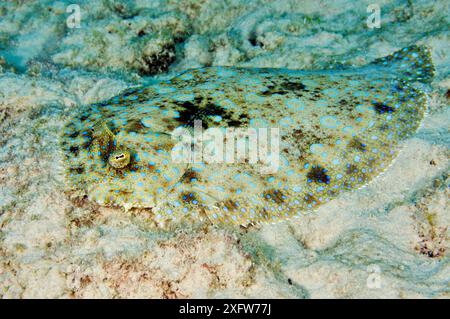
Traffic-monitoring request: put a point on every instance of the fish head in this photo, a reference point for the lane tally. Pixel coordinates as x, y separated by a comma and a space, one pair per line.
120, 167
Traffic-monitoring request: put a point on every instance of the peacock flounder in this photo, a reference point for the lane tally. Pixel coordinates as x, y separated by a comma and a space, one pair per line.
337, 130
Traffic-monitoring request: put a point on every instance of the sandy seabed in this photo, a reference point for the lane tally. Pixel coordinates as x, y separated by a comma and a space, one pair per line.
387, 240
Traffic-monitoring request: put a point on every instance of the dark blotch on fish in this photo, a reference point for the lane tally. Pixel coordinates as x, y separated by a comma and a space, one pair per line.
188, 198
293, 86
318, 174
189, 175
78, 169
74, 134
352, 169
230, 205
356, 143
283, 88
201, 110
274, 195
381, 108
74, 150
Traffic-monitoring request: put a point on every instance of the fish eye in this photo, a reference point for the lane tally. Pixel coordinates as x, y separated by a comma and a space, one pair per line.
119, 159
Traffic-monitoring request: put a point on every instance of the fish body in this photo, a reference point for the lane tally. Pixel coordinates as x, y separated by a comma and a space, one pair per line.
337, 130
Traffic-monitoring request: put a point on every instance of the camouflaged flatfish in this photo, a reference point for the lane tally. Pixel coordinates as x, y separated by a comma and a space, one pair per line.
338, 130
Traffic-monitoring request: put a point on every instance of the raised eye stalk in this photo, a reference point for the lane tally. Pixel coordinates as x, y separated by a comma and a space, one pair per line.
119, 158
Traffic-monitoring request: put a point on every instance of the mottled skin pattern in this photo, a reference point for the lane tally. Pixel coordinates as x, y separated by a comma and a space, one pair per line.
338, 131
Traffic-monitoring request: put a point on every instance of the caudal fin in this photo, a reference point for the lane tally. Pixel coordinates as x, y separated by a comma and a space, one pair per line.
412, 63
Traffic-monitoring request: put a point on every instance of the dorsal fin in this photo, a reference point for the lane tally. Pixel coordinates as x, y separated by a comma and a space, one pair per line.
413, 63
